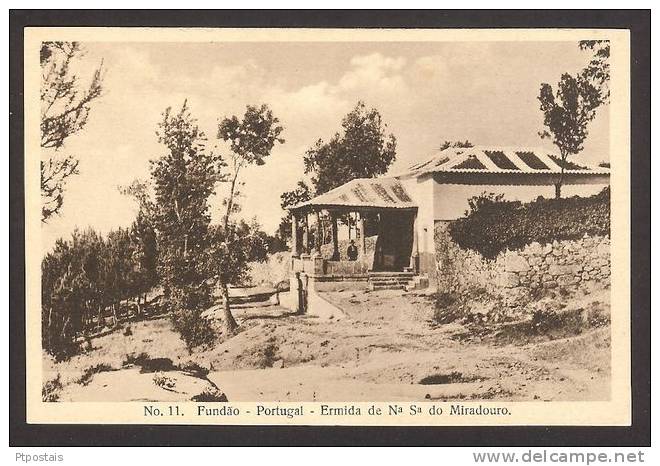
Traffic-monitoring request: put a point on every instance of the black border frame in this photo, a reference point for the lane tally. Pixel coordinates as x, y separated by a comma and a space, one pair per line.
638, 434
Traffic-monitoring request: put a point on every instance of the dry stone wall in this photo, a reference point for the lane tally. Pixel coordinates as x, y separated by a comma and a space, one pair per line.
517, 276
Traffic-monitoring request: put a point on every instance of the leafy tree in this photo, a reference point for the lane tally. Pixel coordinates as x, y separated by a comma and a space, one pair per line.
139, 190
231, 264
568, 111
82, 278
144, 240
145, 257
597, 72
118, 267
184, 178
455, 144
361, 150
65, 107
566, 115
251, 140
71, 290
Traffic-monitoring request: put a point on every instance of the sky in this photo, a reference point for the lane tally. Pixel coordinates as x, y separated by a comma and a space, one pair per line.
426, 92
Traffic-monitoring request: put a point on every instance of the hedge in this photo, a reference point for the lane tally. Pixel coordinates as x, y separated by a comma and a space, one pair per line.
493, 225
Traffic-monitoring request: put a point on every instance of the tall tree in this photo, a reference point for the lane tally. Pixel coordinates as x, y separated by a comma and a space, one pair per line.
568, 111
228, 262
118, 267
361, 150
251, 140
184, 178
72, 290
143, 240
566, 115
65, 107
597, 70
144, 274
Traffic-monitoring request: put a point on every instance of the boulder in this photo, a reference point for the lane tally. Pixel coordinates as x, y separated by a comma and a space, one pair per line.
509, 280
516, 263
568, 269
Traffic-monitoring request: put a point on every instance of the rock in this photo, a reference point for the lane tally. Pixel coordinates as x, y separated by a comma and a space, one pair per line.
603, 250
279, 364
571, 269
509, 280
516, 263
567, 280
534, 248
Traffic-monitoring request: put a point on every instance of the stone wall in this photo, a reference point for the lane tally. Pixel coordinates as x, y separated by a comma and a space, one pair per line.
517, 276
366, 260
271, 272
342, 244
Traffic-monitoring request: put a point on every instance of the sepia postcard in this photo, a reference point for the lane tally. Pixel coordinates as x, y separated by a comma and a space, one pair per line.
410, 227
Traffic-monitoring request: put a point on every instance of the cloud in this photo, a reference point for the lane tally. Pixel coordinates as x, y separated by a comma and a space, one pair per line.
374, 73
425, 92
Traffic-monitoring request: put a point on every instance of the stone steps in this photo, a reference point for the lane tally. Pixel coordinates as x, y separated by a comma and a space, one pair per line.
376, 287
390, 280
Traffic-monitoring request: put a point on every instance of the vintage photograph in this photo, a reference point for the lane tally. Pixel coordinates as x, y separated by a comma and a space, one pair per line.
325, 221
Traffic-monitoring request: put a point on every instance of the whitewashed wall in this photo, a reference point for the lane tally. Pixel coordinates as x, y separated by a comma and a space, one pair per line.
451, 200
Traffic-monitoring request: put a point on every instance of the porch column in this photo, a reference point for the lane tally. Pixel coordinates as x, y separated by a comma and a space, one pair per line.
414, 258
317, 237
294, 234
306, 235
363, 244
335, 243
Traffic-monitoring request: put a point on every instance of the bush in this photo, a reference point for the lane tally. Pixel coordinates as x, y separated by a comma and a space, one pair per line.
493, 225
447, 308
164, 381
50, 391
88, 373
210, 395
195, 329
195, 369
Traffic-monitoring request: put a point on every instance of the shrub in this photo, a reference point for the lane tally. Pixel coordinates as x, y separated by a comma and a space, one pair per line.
267, 354
447, 308
50, 391
89, 372
195, 329
164, 381
211, 394
493, 225
195, 369
135, 359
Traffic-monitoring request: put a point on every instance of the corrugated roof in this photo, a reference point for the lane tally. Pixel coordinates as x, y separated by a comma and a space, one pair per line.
514, 160
382, 193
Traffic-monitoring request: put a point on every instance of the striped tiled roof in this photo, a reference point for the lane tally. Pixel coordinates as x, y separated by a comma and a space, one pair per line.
364, 192
500, 160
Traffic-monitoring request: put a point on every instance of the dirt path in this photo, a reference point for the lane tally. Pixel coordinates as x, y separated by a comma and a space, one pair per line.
386, 349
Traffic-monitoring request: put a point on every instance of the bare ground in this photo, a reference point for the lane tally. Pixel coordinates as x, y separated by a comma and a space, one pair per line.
387, 348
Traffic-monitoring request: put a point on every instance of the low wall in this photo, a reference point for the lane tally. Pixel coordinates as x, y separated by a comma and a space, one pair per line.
517, 276
366, 259
273, 271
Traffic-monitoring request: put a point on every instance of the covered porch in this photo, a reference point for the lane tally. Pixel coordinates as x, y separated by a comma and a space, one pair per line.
377, 219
